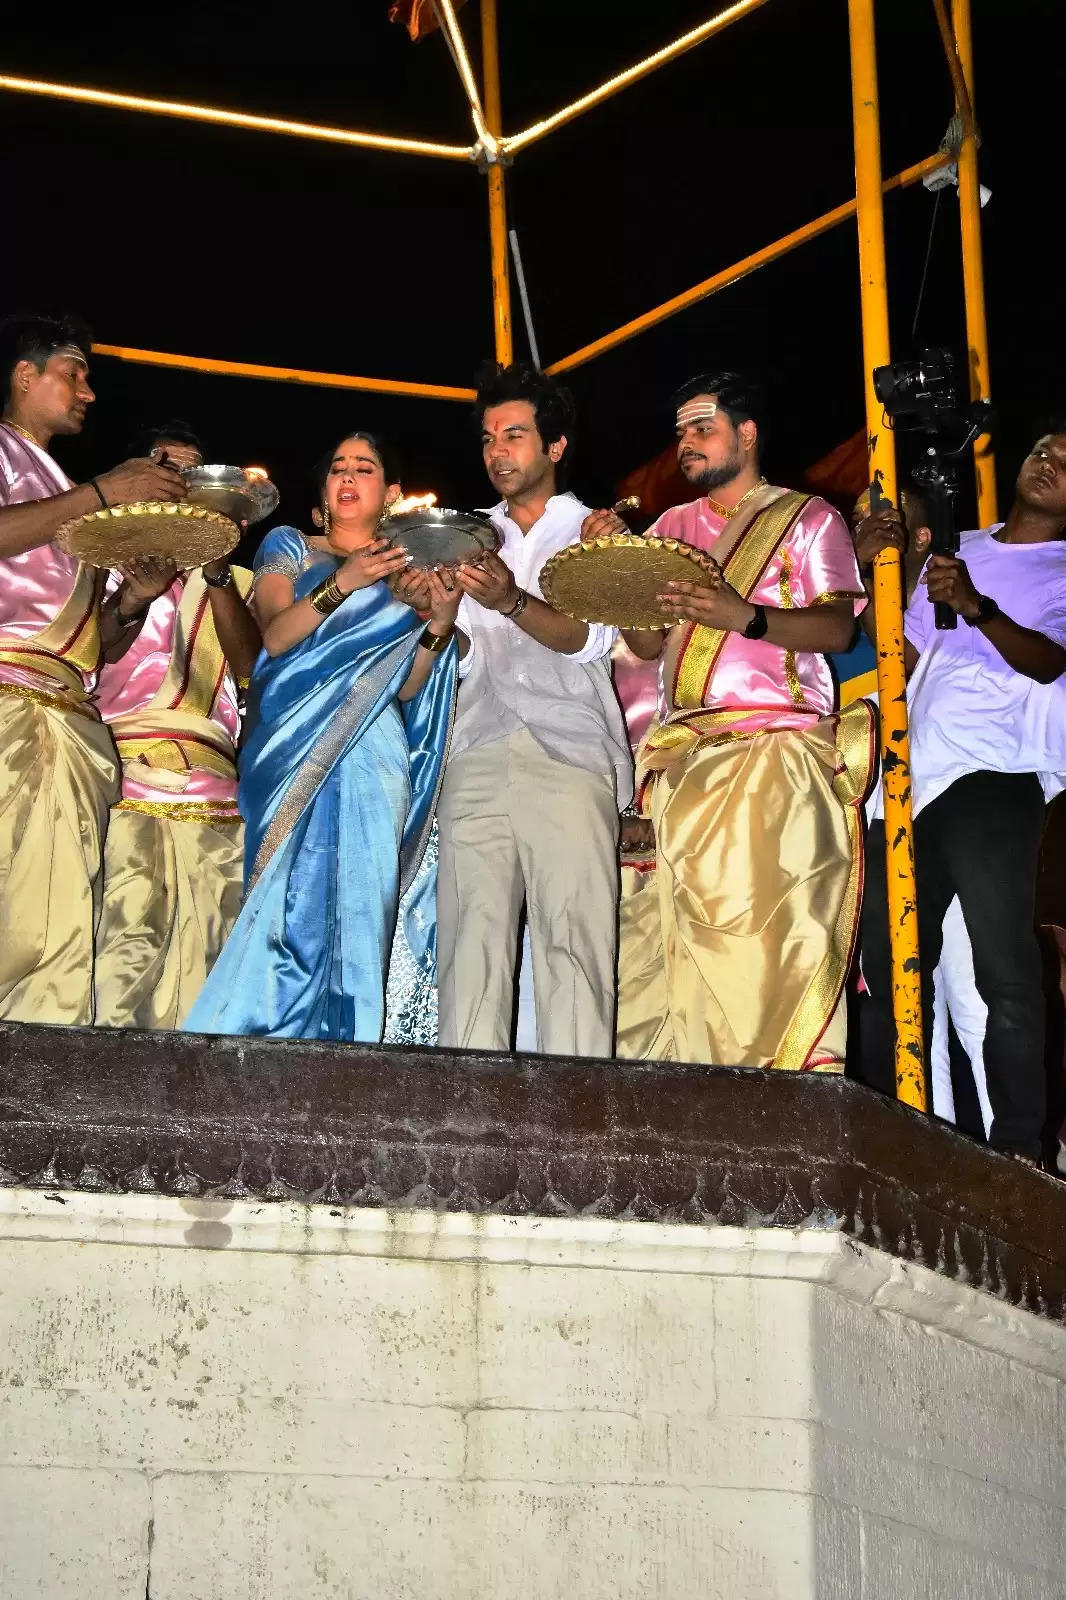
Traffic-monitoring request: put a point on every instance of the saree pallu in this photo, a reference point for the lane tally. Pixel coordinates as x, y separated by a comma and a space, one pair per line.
338, 790
758, 885
58, 777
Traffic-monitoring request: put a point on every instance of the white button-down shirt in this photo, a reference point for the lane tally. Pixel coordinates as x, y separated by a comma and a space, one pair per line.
509, 681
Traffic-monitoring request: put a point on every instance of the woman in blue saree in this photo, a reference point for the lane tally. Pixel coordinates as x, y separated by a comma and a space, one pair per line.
350, 711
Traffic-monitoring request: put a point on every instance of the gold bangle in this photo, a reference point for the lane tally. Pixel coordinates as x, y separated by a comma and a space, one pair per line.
326, 597
435, 642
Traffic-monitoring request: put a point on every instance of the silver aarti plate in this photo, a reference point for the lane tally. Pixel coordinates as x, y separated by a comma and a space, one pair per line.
236, 492
435, 537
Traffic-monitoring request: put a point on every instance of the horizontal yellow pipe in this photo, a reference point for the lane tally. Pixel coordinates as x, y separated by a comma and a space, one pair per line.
740, 269
249, 369
234, 119
633, 74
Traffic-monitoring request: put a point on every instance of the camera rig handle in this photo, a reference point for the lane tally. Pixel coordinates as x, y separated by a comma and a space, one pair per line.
939, 478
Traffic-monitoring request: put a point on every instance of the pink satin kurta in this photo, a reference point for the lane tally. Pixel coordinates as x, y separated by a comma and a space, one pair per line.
132, 683
35, 585
814, 564
636, 683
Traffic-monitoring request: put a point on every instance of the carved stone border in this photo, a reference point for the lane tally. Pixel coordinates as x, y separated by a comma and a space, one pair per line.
179, 1114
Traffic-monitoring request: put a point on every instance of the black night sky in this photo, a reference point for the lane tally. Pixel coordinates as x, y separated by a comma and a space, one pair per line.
252, 247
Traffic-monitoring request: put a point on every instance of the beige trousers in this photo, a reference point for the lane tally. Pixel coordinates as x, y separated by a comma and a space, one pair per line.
516, 825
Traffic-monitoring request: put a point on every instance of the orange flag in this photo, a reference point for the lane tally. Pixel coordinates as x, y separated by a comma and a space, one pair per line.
417, 16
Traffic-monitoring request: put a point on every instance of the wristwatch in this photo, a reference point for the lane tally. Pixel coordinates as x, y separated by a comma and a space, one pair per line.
224, 579
987, 611
758, 624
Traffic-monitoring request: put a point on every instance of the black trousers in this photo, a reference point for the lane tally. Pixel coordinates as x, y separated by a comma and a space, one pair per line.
979, 840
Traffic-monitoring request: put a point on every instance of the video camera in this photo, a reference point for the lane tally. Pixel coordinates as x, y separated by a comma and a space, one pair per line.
923, 396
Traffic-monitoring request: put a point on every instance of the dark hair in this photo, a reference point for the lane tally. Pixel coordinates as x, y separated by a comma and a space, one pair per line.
176, 431
737, 396
26, 336
553, 404
390, 460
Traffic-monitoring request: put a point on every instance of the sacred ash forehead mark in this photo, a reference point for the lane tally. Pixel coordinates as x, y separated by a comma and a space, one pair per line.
72, 352
698, 410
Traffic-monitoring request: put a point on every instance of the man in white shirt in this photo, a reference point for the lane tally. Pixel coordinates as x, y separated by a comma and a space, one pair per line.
988, 749
539, 763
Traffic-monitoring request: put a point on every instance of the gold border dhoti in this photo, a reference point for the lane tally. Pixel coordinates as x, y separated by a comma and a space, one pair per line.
758, 885
58, 777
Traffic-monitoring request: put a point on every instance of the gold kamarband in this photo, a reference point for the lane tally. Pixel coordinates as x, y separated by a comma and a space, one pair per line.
220, 811
56, 702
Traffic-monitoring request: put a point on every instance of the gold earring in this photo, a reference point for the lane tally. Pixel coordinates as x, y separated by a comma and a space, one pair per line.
327, 521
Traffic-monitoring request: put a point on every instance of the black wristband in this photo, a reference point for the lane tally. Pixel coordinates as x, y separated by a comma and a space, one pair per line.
99, 494
758, 624
138, 616
987, 611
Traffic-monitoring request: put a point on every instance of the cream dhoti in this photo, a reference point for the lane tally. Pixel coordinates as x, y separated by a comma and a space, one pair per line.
174, 859
58, 770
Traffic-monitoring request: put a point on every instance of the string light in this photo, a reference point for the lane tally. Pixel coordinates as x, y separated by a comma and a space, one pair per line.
632, 74
235, 119
250, 369
454, 36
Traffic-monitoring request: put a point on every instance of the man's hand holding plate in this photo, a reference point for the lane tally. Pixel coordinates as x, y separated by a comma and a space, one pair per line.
602, 525
714, 604
490, 582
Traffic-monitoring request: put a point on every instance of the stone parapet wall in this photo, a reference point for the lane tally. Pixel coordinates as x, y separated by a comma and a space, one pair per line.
212, 1400
310, 1322
101, 1110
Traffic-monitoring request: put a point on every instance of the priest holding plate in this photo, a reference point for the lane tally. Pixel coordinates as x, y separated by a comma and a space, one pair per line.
752, 781
168, 689
58, 769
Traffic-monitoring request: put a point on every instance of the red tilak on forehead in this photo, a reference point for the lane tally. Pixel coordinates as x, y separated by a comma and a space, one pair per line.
696, 411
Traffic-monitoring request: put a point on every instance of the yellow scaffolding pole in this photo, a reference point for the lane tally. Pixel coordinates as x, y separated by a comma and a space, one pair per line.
189, 112
973, 277
501, 276
249, 369
888, 586
740, 269
622, 80
958, 77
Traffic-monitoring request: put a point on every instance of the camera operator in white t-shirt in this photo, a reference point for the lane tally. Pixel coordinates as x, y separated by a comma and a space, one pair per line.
988, 750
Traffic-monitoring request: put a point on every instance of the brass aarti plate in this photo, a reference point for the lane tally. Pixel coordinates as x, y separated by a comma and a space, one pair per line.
186, 534
618, 579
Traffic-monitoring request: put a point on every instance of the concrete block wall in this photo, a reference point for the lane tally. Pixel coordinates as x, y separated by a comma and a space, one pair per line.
230, 1401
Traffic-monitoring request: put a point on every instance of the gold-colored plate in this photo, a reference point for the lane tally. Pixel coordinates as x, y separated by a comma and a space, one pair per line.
185, 534
618, 579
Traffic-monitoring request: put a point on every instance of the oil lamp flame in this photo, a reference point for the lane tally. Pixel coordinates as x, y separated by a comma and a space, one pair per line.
412, 502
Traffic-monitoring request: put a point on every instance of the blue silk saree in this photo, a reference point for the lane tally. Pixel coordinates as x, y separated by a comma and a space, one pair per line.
338, 788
